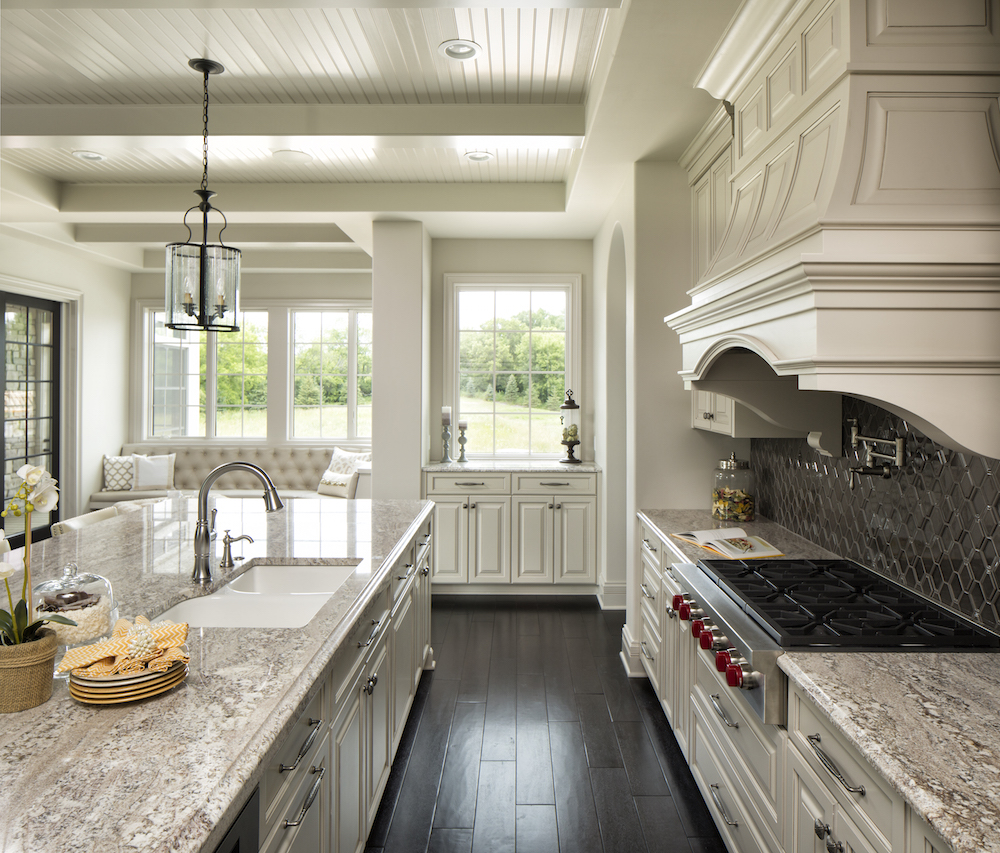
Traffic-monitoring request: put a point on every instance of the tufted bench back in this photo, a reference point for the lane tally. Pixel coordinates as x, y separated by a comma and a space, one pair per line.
291, 468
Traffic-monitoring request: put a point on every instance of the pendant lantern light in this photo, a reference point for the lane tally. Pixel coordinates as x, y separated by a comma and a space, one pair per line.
203, 278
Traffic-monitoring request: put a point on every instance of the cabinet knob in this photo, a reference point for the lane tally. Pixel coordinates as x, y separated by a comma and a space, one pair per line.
558, 506
472, 506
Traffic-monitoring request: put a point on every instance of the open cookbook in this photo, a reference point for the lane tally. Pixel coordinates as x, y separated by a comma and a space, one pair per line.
731, 542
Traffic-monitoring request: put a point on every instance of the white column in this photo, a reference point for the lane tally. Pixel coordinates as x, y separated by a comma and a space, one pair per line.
401, 343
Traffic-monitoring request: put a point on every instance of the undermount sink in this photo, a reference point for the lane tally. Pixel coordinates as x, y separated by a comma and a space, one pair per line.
281, 596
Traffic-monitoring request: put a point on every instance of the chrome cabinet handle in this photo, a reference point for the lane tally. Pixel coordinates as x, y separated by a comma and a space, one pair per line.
648, 546
671, 612
306, 746
554, 484
834, 846
558, 506
426, 570
646, 593
409, 571
821, 829
718, 804
310, 798
832, 768
472, 506
645, 653
376, 627
470, 484
369, 687
719, 710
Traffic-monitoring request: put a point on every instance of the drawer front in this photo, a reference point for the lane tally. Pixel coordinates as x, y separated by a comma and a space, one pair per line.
351, 654
650, 594
829, 754
649, 651
757, 755
723, 794
403, 573
292, 760
555, 484
468, 484
650, 545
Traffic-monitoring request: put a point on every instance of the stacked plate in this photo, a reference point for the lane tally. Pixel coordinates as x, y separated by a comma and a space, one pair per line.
115, 689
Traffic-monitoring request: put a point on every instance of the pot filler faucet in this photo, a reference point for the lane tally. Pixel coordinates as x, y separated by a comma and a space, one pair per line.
204, 529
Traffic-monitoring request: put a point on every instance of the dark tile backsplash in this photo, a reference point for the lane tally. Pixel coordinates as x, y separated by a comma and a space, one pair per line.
934, 526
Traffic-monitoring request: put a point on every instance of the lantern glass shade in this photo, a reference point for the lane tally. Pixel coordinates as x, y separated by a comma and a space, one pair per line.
202, 287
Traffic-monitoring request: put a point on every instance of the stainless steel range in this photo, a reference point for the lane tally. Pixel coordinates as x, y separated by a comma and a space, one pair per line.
748, 612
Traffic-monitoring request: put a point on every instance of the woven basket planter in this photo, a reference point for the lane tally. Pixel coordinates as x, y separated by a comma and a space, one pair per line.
26, 672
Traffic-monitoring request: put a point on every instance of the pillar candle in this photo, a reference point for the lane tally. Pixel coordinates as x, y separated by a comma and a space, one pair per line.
446, 416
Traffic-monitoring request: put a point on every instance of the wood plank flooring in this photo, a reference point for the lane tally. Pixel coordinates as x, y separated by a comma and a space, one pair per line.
529, 737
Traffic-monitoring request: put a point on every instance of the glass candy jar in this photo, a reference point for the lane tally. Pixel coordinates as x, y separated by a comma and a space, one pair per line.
83, 597
732, 492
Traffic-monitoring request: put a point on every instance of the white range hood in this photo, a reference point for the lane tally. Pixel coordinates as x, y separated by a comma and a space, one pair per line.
859, 252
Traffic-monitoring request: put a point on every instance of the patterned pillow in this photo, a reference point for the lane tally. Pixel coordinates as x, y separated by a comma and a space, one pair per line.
339, 478
346, 463
119, 471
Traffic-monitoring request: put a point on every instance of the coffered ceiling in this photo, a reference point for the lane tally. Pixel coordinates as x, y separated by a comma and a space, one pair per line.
565, 95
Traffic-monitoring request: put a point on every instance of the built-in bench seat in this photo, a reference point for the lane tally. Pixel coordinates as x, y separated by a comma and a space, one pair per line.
296, 471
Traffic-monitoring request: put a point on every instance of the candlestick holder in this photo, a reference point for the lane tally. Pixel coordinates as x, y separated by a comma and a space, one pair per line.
446, 440
461, 444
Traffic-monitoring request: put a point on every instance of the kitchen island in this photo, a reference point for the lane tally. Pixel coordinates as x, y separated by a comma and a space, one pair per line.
919, 729
171, 772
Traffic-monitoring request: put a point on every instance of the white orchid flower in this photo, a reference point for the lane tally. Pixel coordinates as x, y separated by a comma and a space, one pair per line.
7, 571
31, 474
44, 499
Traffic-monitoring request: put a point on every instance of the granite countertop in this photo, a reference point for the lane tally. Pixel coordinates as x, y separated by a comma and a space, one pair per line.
171, 772
549, 466
928, 722
669, 521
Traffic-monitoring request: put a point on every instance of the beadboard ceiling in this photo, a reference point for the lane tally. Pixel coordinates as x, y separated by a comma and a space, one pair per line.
565, 95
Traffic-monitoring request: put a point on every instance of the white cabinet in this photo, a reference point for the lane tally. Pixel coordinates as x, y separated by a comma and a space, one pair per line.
378, 718
348, 830
303, 825
711, 199
472, 541
719, 413
531, 529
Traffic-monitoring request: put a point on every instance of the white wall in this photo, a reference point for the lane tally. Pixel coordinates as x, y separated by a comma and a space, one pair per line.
98, 378
511, 256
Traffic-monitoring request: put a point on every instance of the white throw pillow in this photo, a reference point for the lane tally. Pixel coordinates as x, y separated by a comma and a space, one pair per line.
340, 477
153, 472
337, 485
119, 472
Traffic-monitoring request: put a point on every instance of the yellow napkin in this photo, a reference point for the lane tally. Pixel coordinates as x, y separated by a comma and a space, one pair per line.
132, 648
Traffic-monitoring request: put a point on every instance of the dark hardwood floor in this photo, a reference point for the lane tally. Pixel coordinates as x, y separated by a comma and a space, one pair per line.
528, 736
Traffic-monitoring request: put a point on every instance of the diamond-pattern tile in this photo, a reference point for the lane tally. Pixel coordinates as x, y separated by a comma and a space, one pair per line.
934, 527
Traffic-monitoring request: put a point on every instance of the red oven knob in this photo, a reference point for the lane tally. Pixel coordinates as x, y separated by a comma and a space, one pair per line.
684, 610
710, 641
740, 675
678, 600
697, 626
723, 658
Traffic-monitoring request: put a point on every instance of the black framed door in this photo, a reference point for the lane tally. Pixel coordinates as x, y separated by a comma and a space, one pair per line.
32, 353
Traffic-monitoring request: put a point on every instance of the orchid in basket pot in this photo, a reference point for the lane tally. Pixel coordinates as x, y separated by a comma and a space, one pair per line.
37, 492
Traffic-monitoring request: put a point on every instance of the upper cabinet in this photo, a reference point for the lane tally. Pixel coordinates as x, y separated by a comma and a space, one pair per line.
846, 213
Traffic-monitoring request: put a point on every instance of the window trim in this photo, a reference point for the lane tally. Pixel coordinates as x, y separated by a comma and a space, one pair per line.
280, 375
454, 283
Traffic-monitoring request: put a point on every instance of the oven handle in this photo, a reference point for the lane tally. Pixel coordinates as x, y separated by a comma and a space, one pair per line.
718, 804
832, 768
718, 710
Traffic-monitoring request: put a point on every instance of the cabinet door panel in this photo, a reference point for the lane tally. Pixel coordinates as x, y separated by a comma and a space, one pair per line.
404, 650
489, 540
576, 540
533, 540
810, 806
451, 543
347, 828
308, 834
378, 727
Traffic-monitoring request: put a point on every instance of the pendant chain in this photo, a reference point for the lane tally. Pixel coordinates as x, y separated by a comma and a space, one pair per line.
204, 147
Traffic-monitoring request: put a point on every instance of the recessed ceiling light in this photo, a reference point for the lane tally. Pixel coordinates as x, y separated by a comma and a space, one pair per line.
478, 156
292, 156
461, 50
89, 156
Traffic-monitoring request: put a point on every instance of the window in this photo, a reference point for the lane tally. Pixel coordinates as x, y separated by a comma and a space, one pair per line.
332, 374
312, 367
512, 358
31, 398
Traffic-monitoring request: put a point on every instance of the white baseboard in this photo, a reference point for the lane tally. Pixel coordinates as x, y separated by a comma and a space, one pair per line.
612, 596
631, 655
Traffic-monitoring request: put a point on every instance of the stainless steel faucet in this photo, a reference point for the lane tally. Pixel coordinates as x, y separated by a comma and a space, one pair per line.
203, 529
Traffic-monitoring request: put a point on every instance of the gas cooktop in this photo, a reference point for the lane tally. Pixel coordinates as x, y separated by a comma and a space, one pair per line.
839, 604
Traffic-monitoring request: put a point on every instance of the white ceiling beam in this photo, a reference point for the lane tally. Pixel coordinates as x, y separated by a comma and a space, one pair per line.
327, 235
314, 126
307, 4
304, 202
